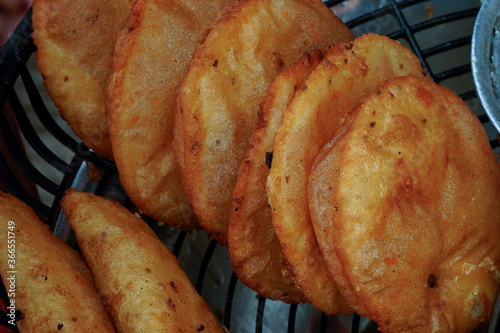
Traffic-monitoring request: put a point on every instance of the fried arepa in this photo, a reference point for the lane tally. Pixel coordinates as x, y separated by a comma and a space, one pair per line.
404, 202
53, 289
228, 77
139, 279
152, 57
348, 72
75, 41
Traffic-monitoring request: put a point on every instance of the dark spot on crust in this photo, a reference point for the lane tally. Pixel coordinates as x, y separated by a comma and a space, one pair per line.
424, 120
74, 319
308, 57
281, 63
148, 270
66, 79
269, 159
388, 321
378, 92
277, 60
348, 46
59, 326
217, 142
287, 178
201, 328
216, 62
233, 80
237, 201
46, 278
170, 303
174, 287
346, 60
304, 87
194, 147
372, 124
431, 281
94, 17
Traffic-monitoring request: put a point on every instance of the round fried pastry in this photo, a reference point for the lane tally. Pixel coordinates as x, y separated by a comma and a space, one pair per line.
75, 40
404, 202
152, 56
254, 249
218, 102
348, 72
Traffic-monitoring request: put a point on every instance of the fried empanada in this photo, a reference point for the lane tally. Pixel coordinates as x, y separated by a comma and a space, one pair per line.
75, 41
254, 249
152, 57
404, 201
348, 72
228, 77
46, 280
138, 278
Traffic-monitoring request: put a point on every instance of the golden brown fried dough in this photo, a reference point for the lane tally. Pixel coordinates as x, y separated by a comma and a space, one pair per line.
404, 201
348, 72
218, 102
52, 286
254, 249
138, 278
75, 40
152, 56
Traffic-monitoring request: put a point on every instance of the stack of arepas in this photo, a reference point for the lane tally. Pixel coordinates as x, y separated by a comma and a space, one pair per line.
335, 170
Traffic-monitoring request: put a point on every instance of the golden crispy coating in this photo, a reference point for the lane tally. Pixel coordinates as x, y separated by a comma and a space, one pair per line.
253, 41
152, 56
138, 278
75, 40
254, 249
348, 72
404, 201
53, 288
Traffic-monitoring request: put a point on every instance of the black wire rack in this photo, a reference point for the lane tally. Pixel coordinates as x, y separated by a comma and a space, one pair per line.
439, 33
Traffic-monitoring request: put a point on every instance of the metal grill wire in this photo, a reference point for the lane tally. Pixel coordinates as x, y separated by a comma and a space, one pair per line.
415, 23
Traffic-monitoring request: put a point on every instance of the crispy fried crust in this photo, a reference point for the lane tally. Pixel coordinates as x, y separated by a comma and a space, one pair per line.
405, 198
348, 72
138, 278
228, 77
254, 249
54, 289
152, 56
75, 40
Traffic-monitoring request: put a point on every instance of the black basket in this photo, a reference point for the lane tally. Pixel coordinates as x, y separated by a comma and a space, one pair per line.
439, 33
